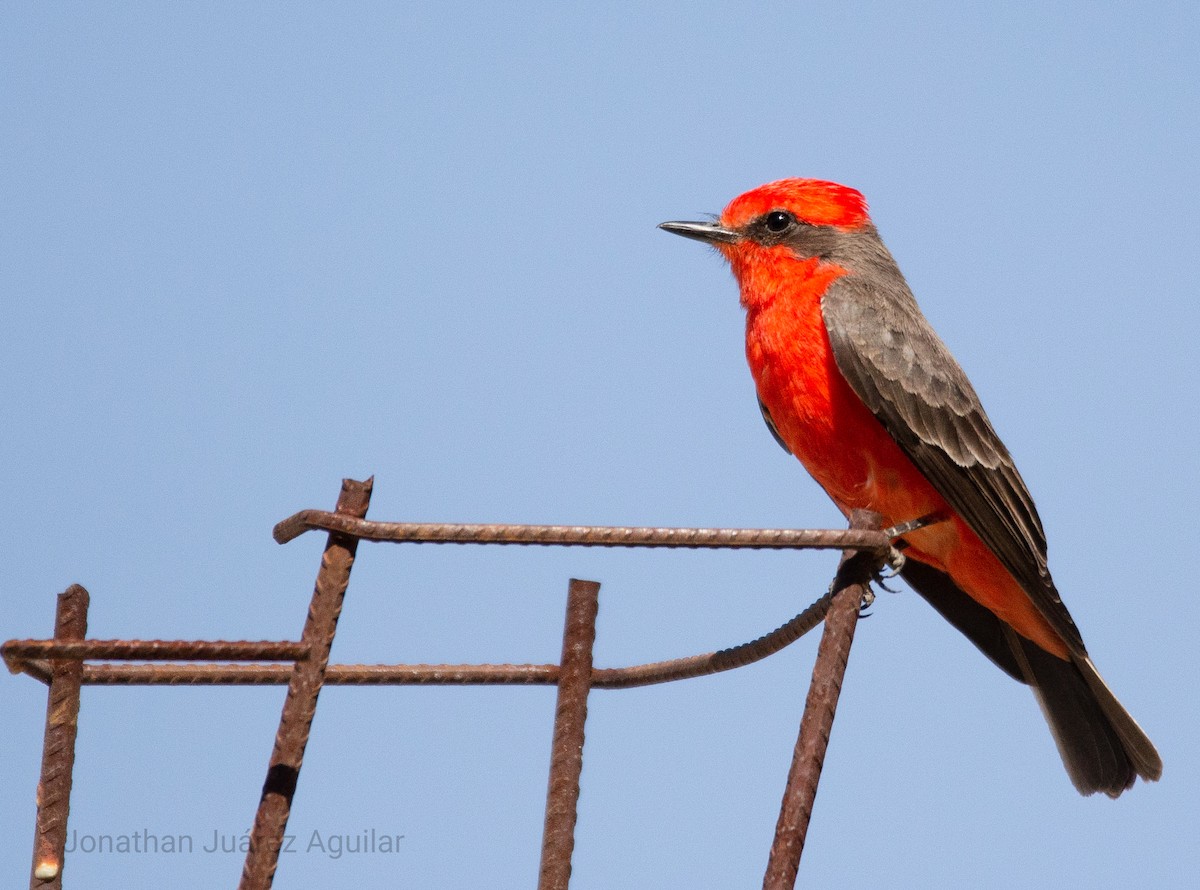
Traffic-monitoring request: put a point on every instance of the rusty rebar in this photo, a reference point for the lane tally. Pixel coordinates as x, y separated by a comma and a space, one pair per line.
18, 652
582, 535
56, 661
299, 707
461, 674
715, 662
58, 747
850, 587
35, 667
335, 675
566, 749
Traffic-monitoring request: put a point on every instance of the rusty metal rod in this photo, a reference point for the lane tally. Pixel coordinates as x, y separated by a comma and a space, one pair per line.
850, 588
566, 749
18, 651
39, 669
581, 535
299, 707
335, 674
464, 674
58, 747
715, 662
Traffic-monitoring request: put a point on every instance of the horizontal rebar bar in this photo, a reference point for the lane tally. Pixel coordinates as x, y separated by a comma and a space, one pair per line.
336, 674
454, 674
581, 535
31, 656
16, 652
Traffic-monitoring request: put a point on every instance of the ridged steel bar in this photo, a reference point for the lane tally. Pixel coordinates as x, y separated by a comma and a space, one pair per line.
582, 535
37, 668
18, 651
715, 662
58, 748
851, 587
299, 707
335, 674
464, 674
566, 750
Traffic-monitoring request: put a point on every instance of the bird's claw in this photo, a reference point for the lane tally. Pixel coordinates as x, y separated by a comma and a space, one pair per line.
890, 569
868, 598
892, 565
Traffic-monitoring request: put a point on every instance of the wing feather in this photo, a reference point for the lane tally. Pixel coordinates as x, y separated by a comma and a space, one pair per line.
893, 360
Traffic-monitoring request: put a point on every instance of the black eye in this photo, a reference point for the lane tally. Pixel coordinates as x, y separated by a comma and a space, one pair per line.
779, 221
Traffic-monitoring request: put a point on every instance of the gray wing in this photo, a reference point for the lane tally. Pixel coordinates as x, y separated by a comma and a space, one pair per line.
906, 376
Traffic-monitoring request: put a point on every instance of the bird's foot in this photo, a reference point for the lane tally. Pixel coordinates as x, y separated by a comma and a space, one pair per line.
890, 569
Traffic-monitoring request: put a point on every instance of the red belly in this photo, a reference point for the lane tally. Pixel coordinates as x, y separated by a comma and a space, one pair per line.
845, 448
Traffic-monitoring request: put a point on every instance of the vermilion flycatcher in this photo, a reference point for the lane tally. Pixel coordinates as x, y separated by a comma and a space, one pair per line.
854, 382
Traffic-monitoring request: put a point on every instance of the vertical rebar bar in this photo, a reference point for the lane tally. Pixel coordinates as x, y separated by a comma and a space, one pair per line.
851, 585
566, 751
300, 705
58, 747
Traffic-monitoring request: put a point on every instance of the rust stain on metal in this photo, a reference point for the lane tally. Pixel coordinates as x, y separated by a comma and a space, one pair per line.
58, 748
849, 588
287, 756
566, 750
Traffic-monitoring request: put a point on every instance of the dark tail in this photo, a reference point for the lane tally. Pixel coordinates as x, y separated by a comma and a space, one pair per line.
1101, 745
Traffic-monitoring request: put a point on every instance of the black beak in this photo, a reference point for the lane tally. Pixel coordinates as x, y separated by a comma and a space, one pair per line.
710, 232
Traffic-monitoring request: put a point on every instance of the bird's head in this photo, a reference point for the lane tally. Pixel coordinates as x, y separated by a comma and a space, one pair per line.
784, 226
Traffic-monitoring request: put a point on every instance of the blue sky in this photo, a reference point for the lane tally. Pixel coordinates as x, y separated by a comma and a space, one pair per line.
249, 249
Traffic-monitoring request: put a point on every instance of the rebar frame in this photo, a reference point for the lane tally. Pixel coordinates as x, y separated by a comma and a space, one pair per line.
60, 663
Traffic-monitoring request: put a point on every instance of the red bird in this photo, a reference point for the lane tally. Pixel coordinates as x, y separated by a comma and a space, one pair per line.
854, 382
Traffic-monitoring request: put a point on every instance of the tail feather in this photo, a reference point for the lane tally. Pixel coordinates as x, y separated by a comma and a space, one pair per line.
1142, 753
1101, 745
